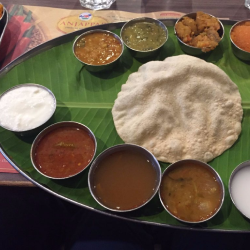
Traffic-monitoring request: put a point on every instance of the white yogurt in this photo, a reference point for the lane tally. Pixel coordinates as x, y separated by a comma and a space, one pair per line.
240, 190
25, 107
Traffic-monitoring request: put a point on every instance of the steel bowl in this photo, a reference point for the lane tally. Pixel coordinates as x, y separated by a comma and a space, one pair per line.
103, 67
140, 53
203, 165
114, 149
3, 23
32, 130
191, 50
49, 129
240, 193
3, 13
238, 52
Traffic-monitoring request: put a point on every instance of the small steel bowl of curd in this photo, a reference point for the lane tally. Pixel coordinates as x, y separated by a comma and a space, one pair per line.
191, 191
240, 37
239, 188
124, 177
63, 150
99, 50
144, 36
26, 108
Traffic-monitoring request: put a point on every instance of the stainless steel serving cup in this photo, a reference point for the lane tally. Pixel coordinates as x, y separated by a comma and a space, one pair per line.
2, 14
3, 23
118, 148
40, 127
98, 68
139, 53
191, 50
51, 128
238, 52
236, 170
181, 162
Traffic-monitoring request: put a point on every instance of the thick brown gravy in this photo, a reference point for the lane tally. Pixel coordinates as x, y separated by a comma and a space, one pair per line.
98, 48
191, 192
124, 180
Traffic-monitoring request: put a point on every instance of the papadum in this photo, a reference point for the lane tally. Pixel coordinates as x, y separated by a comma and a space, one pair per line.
179, 108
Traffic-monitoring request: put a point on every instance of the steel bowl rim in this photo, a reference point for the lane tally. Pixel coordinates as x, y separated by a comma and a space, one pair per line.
242, 165
32, 85
52, 127
106, 151
97, 31
208, 167
242, 21
195, 48
142, 19
3, 12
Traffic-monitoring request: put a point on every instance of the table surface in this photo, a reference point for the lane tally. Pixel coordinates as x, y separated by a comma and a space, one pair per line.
232, 9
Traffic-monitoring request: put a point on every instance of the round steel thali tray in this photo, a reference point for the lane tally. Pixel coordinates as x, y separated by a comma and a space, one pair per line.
88, 98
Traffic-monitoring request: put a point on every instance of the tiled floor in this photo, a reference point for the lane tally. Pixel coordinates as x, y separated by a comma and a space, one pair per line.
30, 218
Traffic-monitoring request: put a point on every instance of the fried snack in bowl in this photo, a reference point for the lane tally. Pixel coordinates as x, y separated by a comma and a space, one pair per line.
198, 33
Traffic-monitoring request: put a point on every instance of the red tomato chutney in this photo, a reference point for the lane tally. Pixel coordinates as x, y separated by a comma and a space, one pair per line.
64, 152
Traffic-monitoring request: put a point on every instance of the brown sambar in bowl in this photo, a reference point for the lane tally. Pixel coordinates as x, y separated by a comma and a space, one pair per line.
191, 191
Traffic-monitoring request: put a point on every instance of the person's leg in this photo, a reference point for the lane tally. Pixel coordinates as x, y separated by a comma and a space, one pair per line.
186, 239
92, 230
30, 218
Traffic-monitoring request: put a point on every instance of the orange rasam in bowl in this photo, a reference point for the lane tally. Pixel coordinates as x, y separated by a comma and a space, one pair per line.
124, 177
240, 39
